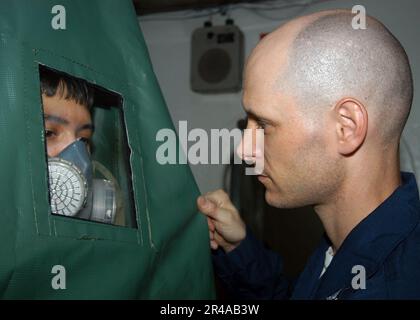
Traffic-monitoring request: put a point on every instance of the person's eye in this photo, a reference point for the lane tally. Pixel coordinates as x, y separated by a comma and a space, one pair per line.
49, 133
261, 125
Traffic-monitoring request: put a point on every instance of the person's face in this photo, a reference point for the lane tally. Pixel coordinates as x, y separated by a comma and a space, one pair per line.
299, 160
65, 121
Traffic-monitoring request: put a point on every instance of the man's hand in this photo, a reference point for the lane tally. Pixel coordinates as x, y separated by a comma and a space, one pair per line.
226, 227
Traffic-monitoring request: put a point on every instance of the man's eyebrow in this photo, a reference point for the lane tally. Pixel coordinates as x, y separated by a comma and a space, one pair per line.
87, 126
49, 117
257, 117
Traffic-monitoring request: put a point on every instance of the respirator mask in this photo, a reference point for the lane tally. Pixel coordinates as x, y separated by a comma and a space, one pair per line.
73, 190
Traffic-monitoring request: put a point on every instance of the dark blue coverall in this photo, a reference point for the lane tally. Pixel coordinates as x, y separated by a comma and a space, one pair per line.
386, 244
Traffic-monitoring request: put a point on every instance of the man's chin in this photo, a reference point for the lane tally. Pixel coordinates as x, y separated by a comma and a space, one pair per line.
275, 199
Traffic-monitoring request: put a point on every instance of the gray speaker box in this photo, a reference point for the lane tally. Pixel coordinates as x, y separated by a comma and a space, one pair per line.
217, 54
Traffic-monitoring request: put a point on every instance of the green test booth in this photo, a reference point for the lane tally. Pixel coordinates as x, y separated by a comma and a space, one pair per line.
158, 248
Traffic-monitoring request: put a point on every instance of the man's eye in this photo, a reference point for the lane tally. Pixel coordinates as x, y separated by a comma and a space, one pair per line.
49, 133
261, 125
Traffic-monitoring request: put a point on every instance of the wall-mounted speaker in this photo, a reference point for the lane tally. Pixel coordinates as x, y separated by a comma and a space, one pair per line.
217, 54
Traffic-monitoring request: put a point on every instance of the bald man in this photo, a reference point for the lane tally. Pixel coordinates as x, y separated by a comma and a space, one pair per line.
333, 102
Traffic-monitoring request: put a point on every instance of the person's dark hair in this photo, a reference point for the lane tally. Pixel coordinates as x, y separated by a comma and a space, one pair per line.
67, 87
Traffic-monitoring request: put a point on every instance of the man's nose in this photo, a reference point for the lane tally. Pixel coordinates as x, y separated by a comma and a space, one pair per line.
246, 150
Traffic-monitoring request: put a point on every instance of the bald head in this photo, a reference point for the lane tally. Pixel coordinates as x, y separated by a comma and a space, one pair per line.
327, 60
332, 102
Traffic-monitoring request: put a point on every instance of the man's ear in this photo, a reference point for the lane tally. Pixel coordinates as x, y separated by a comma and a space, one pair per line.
351, 125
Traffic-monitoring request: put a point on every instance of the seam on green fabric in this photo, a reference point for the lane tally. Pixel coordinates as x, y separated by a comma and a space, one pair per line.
28, 143
128, 104
146, 202
104, 75
87, 237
